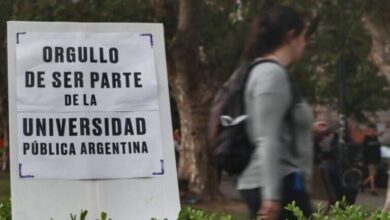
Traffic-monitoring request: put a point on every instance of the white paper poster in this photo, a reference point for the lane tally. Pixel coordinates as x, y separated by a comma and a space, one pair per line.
87, 106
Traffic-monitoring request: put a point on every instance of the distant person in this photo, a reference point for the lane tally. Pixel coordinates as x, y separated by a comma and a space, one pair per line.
326, 160
279, 120
372, 157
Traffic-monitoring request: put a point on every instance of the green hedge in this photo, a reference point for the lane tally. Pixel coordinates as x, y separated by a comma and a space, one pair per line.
339, 211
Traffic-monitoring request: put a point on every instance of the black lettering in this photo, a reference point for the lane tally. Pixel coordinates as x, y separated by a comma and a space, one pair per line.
83, 148
116, 80
127, 79
91, 54
59, 54
93, 100
64, 149
84, 126
43, 149
137, 80
26, 147
68, 99
113, 54
136, 147
56, 80
78, 79
94, 78
40, 79
72, 150
144, 147
41, 126
115, 148
29, 79
34, 148
57, 148
91, 147
83, 54
105, 83
97, 131
106, 127
107, 148
51, 152
72, 127
141, 126
101, 52
47, 54
67, 79
99, 148
128, 130
27, 126
70, 54
61, 126
116, 126
75, 99
51, 127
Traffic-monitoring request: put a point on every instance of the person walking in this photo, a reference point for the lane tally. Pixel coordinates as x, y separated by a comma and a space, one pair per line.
279, 120
372, 157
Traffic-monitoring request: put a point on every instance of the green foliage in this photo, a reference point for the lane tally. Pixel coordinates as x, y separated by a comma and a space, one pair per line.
340, 211
5, 210
223, 27
83, 216
378, 11
337, 52
195, 214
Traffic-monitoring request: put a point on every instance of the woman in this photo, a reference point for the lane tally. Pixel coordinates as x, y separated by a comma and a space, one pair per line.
279, 123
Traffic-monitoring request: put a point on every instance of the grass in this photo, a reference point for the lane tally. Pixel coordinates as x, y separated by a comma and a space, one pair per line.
5, 189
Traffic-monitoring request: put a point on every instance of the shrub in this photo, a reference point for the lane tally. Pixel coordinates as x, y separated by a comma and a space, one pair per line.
83, 215
341, 211
5, 210
194, 214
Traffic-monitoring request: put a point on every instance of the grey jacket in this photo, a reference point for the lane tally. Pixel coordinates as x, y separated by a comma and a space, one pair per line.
267, 100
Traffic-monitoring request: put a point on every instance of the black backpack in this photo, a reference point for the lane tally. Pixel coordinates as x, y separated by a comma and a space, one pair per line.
227, 122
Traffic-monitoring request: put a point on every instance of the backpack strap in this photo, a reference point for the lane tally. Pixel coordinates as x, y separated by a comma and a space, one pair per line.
248, 68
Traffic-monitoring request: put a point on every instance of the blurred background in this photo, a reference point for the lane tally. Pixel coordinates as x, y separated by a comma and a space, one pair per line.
344, 72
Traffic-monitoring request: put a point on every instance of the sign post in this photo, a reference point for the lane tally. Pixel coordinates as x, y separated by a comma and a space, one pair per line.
90, 124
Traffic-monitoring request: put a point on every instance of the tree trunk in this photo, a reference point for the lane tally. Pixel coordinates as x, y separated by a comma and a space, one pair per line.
380, 51
190, 87
380, 57
196, 164
6, 7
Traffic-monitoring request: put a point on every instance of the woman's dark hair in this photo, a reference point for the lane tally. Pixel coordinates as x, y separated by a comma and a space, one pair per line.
269, 30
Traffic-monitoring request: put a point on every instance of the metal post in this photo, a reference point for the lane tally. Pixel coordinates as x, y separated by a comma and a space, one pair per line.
341, 86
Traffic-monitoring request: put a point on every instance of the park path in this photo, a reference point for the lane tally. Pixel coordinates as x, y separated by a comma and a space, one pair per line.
365, 198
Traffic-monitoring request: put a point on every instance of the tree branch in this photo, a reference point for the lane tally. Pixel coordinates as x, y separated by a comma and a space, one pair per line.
313, 25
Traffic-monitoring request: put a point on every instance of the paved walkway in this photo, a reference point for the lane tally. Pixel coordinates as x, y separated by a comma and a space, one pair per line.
365, 198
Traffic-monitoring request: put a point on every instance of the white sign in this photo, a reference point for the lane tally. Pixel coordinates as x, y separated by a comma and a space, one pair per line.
87, 105
90, 124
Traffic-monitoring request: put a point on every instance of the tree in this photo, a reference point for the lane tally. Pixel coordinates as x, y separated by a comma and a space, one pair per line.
206, 41
366, 89
377, 22
5, 13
